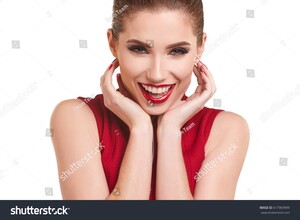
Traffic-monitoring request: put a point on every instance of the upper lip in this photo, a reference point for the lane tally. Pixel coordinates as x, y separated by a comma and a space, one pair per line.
156, 89
156, 93
157, 86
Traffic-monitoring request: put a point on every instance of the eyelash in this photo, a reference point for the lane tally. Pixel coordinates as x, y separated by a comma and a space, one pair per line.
142, 50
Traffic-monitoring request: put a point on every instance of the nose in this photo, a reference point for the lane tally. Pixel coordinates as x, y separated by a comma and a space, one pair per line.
156, 73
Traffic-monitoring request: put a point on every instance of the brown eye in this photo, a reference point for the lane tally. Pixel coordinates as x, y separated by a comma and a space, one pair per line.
178, 51
138, 49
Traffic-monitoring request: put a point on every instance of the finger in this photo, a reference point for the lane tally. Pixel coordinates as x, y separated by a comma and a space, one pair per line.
106, 79
204, 91
109, 72
208, 83
197, 69
203, 68
197, 73
210, 77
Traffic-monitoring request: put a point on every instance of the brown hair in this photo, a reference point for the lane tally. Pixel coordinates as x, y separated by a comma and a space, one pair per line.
123, 9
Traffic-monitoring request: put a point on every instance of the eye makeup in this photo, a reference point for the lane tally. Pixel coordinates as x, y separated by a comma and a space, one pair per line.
140, 49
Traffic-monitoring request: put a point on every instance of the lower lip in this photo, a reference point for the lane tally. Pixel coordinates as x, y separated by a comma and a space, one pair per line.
156, 100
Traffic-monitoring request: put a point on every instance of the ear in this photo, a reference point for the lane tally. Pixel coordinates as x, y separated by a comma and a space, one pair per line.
112, 42
202, 47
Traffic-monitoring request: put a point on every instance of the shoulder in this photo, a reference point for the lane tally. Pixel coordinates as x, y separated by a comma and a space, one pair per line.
75, 109
228, 120
228, 127
70, 118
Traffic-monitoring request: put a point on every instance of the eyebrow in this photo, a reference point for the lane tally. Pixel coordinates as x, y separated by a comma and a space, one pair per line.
145, 44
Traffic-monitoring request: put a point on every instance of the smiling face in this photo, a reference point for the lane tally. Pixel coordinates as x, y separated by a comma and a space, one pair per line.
156, 53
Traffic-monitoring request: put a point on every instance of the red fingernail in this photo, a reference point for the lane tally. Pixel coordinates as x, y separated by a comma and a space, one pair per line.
110, 66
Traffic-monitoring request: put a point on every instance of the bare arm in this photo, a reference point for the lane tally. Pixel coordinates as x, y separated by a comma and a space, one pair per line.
226, 150
172, 181
135, 173
76, 144
75, 140
229, 130
225, 153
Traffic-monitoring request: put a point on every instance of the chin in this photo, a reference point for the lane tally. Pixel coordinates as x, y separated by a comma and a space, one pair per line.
156, 109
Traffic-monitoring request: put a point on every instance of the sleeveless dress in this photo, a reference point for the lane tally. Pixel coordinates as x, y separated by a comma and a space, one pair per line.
114, 134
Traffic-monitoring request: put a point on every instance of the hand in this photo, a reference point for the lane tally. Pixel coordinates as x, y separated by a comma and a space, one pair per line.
176, 117
120, 103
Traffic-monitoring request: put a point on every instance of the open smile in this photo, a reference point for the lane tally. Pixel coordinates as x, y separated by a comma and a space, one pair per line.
156, 93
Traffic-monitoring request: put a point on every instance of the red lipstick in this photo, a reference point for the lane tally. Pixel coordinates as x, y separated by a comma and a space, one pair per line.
156, 93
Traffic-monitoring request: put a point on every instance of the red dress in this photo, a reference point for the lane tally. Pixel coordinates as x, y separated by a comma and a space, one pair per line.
114, 135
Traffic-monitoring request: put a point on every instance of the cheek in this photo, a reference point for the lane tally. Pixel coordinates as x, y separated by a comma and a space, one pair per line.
130, 66
130, 69
125, 62
183, 72
183, 69
128, 72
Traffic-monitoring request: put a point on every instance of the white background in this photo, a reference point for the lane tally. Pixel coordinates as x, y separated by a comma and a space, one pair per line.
51, 50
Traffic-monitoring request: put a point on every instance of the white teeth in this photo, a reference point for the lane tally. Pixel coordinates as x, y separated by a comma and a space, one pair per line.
156, 90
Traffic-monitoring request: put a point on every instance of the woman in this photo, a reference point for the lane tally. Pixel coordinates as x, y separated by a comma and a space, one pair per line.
155, 143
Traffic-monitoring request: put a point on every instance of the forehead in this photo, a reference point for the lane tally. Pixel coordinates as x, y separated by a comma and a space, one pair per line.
162, 26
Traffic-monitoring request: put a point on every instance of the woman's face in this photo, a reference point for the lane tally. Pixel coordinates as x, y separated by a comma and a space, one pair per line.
156, 54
